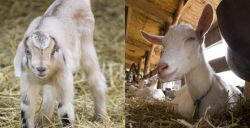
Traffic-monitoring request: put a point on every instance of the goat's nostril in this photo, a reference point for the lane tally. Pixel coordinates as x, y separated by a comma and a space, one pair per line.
162, 66
41, 69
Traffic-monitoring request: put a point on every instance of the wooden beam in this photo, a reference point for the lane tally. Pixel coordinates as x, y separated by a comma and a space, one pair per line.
138, 44
132, 58
128, 20
148, 60
128, 63
184, 10
150, 9
212, 37
140, 65
219, 64
135, 55
151, 73
146, 67
178, 11
136, 49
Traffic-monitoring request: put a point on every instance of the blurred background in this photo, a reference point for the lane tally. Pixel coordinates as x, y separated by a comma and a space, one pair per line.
15, 16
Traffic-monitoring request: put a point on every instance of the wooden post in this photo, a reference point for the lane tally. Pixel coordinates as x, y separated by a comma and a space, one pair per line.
178, 11
146, 66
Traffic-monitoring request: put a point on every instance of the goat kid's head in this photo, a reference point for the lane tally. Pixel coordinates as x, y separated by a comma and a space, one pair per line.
182, 46
37, 53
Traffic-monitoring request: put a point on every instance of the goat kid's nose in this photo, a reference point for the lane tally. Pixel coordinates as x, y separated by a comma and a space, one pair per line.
162, 66
41, 69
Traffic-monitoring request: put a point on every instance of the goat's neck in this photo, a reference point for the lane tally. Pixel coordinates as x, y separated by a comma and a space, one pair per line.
199, 80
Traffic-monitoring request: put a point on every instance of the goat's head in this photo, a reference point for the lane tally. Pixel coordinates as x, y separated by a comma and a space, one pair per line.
182, 48
37, 53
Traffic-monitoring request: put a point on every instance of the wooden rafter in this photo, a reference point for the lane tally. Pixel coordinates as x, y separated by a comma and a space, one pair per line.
212, 37
133, 58
178, 11
150, 9
138, 44
219, 64
128, 20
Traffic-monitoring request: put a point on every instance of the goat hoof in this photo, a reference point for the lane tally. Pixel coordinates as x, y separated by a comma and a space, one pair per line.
100, 118
65, 121
38, 120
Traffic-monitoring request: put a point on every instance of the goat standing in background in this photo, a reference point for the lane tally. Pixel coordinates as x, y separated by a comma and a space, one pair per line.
183, 56
54, 46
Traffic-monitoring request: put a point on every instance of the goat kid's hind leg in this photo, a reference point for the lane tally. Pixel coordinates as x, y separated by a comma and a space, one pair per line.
95, 80
29, 94
65, 91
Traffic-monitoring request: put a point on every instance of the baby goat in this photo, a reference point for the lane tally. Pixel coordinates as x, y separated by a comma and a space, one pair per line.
54, 46
150, 91
183, 56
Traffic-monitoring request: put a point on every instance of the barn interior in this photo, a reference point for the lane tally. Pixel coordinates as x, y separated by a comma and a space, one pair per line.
155, 17
142, 57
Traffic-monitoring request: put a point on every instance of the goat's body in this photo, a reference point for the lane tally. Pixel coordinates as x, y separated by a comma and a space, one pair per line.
198, 82
183, 57
71, 23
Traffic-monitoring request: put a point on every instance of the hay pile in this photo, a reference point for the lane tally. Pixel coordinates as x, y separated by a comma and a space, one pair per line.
109, 41
145, 113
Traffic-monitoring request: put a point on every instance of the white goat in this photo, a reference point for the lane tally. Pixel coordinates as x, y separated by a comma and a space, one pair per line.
183, 56
148, 92
54, 46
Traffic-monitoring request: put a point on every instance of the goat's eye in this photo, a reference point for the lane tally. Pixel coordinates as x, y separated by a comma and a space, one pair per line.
190, 39
27, 52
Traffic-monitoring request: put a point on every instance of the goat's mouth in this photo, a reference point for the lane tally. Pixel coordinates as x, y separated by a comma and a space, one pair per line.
41, 75
164, 75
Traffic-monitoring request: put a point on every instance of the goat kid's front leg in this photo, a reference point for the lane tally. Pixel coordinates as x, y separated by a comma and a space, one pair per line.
29, 94
65, 90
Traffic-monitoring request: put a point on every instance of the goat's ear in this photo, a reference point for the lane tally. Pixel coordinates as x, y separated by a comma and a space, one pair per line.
205, 21
64, 53
152, 38
18, 59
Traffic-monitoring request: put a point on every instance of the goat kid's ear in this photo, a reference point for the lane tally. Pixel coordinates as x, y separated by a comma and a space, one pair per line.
18, 59
205, 21
152, 38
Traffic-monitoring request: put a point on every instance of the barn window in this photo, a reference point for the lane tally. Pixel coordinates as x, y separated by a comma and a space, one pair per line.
217, 50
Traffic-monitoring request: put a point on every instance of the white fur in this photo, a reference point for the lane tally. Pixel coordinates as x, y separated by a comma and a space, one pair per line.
183, 53
72, 26
148, 92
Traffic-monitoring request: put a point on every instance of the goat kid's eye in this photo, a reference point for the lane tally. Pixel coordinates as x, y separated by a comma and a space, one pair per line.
190, 39
27, 52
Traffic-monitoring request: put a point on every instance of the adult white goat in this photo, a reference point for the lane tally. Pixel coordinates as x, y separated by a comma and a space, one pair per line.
54, 46
183, 56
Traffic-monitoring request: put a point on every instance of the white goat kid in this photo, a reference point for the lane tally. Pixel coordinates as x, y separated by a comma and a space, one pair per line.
150, 91
54, 46
183, 56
